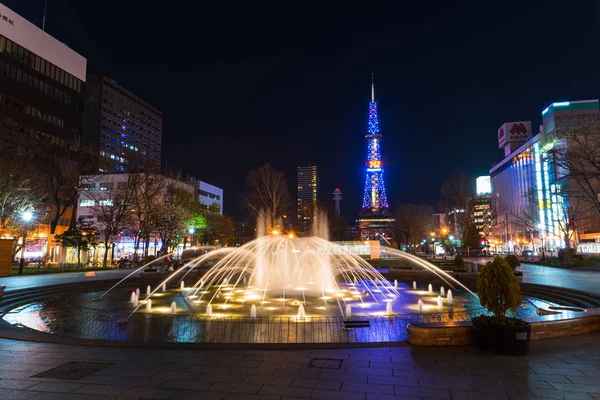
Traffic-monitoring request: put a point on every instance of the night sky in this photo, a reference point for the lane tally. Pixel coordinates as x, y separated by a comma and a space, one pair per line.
241, 86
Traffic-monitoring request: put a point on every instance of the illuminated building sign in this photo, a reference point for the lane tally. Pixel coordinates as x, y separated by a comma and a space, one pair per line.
375, 164
484, 185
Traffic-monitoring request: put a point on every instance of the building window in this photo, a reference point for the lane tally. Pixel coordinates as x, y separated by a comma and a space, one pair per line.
106, 186
107, 202
87, 203
88, 187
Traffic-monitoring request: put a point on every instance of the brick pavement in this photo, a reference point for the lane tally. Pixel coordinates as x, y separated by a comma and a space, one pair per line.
566, 368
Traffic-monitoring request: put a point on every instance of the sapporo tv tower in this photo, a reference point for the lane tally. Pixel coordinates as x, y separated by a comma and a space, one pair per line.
375, 221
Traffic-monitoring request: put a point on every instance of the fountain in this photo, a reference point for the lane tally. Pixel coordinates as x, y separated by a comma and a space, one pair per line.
449, 296
280, 270
388, 309
442, 291
148, 305
439, 302
253, 311
132, 299
420, 305
136, 301
301, 313
148, 290
137, 292
348, 310
173, 308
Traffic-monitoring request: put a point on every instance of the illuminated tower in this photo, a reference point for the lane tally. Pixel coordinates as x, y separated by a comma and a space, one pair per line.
374, 198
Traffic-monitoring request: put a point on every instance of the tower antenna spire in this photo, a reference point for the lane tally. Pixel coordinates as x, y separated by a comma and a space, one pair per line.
372, 86
44, 19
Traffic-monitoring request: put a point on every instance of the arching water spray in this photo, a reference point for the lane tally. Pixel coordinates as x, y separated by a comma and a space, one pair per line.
442, 291
449, 296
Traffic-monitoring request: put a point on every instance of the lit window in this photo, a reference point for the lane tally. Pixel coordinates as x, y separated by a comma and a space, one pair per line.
87, 203
107, 202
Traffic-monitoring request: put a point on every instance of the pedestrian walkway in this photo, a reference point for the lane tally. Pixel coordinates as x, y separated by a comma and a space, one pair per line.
566, 368
30, 281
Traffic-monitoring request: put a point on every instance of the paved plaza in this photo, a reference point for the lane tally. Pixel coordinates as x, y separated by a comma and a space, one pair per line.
566, 368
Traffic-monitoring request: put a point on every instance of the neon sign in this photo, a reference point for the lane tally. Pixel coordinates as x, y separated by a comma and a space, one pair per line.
375, 164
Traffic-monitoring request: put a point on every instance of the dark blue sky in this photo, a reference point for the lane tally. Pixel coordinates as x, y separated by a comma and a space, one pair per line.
290, 84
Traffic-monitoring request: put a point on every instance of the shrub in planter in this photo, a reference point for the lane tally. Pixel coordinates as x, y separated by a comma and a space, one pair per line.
514, 262
499, 291
459, 264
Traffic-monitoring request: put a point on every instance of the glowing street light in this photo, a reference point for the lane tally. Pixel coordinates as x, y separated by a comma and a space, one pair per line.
275, 232
27, 216
191, 231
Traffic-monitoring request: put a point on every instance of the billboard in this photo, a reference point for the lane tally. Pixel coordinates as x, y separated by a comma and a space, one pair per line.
514, 132
483, 185
26, 34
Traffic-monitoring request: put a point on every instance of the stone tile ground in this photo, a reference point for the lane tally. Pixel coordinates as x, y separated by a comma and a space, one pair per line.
566, 368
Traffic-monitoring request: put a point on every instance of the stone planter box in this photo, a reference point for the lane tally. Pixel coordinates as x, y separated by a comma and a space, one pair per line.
440, 334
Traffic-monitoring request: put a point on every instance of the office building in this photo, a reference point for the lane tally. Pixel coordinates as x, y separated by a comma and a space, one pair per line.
308, 182
530, 209
209, 196
480, 206
124, 130
41, 101
101, 191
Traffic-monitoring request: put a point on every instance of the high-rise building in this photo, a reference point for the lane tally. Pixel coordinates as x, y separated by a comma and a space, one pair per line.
375, 222
124, 130
530, 209
308, 184
41, 101
480, 206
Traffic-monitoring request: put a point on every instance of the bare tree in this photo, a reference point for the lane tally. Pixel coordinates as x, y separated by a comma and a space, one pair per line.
413, 223
172, 215
266, 190
20, 190
148, 190
112, 212
455, 192
575, 153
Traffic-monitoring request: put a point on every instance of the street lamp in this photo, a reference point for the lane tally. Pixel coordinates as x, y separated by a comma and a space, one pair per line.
191, 231
26, 217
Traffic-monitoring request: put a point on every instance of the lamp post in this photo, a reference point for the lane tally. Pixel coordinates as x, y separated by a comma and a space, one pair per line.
26, 217
191, 231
